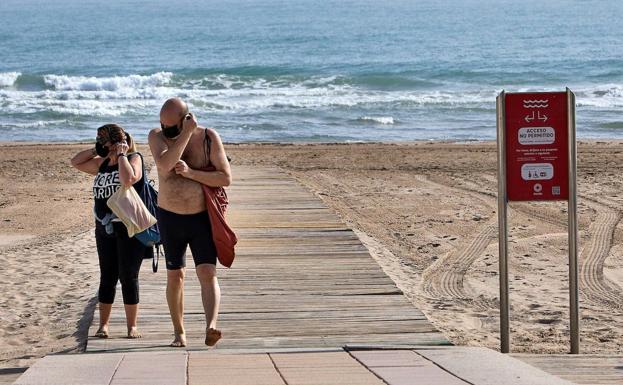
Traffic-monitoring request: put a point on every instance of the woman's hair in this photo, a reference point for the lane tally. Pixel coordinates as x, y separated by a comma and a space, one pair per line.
116, 134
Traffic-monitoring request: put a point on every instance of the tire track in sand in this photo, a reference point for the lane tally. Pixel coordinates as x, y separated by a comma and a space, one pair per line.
445, 277
594, 285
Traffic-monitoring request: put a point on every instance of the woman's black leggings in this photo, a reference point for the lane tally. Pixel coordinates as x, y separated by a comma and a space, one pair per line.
120, 260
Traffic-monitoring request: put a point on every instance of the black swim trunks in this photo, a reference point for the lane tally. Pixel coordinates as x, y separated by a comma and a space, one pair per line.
177, 231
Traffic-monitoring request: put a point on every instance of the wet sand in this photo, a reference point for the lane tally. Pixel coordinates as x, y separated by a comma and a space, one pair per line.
427, 211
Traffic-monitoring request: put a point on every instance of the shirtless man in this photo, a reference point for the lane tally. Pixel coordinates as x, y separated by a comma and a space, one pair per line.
181, 149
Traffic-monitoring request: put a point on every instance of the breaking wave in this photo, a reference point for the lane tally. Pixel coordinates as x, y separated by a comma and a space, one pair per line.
8, 79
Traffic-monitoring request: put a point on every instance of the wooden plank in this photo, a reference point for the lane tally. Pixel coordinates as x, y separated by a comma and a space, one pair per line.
581, 369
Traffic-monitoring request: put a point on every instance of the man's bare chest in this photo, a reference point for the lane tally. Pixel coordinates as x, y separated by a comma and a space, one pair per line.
196, 155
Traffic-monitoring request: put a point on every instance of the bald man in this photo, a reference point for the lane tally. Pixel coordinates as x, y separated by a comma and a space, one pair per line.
181, 150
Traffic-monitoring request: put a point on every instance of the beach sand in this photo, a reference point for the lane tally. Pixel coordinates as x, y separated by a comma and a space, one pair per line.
427, 212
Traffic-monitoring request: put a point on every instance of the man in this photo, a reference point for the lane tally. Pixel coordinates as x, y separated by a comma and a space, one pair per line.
181, 150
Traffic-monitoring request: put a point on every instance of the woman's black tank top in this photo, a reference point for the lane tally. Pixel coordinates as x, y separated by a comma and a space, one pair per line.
106, 183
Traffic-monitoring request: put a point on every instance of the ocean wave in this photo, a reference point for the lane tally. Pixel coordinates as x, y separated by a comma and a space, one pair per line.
7, 79
136, 94
611, 125
113, 83
249, 99
36, 124
236, 82
377, 119
235, 92
601, 96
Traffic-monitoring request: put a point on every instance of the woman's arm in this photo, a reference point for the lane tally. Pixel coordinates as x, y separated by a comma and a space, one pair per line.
87, 161
130, 170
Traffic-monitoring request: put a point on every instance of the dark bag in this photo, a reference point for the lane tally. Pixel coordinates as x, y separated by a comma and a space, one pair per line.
151, 236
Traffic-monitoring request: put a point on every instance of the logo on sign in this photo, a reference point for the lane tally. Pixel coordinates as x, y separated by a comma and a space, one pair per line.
538, 188
536, 103
536, 135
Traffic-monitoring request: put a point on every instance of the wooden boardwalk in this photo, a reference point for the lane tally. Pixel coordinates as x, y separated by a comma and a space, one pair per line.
301, 279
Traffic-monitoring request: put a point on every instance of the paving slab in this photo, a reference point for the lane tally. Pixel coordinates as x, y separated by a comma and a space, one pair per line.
167, 368
403, 367
229, 361
389, 358
487, 367
324, 376
324, 360
322, 368
232, 369
74, 369
234, 377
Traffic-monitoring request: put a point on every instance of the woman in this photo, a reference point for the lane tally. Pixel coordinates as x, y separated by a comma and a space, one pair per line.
115, 163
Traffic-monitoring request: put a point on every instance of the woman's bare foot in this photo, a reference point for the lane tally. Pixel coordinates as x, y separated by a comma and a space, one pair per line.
134, 333
212, 336
102, 332
179, 341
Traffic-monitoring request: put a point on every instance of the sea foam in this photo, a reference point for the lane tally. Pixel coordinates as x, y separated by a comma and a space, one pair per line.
7, 79
113, 83
378, 119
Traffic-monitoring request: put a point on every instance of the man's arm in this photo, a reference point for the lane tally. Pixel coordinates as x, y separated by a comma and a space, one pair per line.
167, 156
221, 176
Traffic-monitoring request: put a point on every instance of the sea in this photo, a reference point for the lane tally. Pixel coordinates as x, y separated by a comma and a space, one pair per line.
304, 70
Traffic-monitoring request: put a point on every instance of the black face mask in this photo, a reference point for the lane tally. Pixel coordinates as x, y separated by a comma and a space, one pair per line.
170, 132
101, 150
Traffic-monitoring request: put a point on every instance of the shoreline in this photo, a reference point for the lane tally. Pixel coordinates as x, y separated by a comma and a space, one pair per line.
9, 143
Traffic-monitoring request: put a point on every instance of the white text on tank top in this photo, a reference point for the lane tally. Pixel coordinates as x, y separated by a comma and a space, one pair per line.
106, 184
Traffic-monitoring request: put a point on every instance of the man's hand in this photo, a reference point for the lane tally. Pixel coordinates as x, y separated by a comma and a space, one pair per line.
189, 123
181, 168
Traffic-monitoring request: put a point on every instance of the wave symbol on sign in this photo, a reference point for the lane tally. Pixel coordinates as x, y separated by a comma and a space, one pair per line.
536, 103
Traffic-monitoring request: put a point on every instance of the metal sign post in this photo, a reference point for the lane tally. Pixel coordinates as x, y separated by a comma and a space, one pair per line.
574, 306
536, 161
503, 228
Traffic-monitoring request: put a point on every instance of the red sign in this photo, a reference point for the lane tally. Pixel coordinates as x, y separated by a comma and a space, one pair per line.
536, 146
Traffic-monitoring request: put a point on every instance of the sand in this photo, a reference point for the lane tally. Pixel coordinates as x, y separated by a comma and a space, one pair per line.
427, 212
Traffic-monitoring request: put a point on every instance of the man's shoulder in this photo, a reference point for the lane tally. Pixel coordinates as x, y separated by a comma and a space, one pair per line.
212, 133
154, 132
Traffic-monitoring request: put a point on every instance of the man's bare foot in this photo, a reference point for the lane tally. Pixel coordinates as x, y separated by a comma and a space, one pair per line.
212, 336
179, 341
102, 332
134, 333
